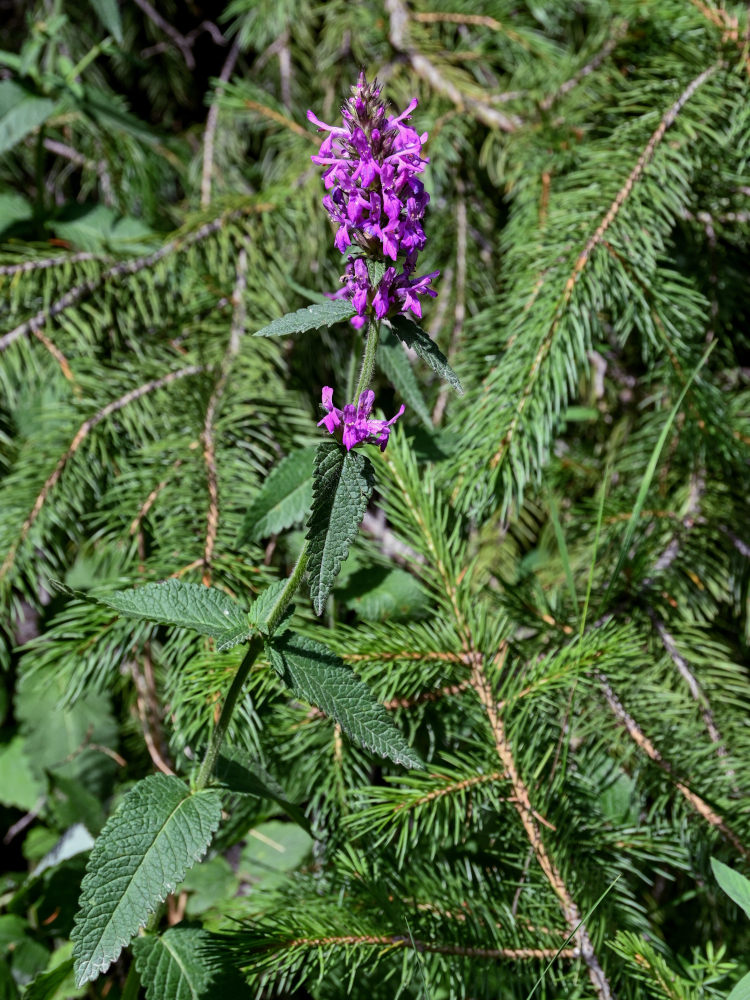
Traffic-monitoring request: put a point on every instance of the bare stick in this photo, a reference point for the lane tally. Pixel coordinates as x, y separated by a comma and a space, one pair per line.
639, 737
184, 44
399, 37
209, 446
211, 123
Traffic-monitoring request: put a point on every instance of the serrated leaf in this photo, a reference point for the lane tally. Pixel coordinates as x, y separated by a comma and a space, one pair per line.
171, 965
109, 14
425, 348
63, 747
316, 674
343, 482
206, 610
75, 840
310, 318
263, 605
237, 772
735, 885
396, 367
283, 499
157, 833
272, 851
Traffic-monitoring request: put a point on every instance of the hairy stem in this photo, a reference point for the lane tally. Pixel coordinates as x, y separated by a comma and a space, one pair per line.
254, 650
368, 361
217, 737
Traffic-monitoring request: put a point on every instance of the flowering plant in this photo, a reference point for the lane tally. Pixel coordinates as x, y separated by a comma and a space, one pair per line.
377, 201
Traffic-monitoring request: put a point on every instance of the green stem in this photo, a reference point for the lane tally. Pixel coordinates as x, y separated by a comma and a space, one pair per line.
132, 984
285, 597
253, 652
368, 362
217, 737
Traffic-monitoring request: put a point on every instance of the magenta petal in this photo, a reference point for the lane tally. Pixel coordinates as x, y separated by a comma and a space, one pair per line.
366, 400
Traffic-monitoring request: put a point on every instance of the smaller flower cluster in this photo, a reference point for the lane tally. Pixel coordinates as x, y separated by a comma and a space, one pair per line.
376, 200
358, 426
395, 292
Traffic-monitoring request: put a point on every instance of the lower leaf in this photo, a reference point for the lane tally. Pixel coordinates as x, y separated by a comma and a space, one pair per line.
158, 832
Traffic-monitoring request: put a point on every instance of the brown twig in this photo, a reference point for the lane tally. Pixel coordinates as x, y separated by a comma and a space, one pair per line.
641, 740
427, 696
207, 437
212, 121
184, 43
151, 499
393, 941
428, 71
58, 355
57, 261
585, 255
83, 431
149, 715
522, 804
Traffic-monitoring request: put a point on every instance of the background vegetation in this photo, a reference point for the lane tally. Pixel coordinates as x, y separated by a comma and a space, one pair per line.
551, 594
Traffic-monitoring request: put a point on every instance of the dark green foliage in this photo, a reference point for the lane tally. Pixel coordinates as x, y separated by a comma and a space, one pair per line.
343, 482
553, 571
159, 831
316, 674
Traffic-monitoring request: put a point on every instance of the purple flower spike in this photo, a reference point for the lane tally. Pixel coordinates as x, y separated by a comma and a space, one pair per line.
376, 200
359, 427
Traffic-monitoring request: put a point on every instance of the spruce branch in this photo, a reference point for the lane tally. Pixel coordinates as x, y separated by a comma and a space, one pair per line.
520, 799
619, 31
207, 437
584, 257
397, 941
212, 120
522, 804
399, 37
127, 268
641, 740
44, 263
83, 431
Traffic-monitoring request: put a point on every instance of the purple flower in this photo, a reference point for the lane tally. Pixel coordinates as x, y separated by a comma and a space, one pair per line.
376, 200
358, 426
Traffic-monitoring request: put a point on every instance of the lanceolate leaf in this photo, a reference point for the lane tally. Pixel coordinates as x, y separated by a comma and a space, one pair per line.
342, 486
310, 318
172, 965
158, 832
315, 673
236, 771
47, 985
264, 604
741, 990
283, 499
397, 367
735, 885
109, 14
425, 347
206, 610
21, 111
